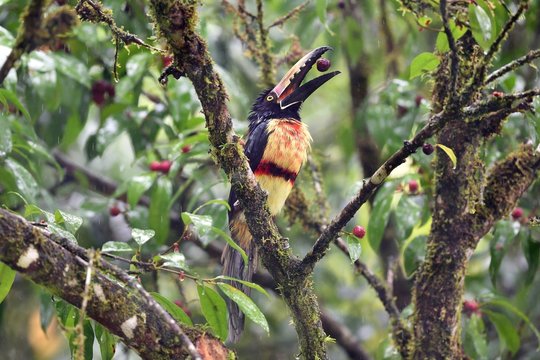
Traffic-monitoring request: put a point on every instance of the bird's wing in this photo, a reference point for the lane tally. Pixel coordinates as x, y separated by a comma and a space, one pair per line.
254, 149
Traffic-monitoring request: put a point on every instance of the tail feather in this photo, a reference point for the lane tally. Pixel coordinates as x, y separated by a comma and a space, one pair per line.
233, 266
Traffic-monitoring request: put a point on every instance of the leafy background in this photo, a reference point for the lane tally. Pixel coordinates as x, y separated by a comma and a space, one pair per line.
63, 111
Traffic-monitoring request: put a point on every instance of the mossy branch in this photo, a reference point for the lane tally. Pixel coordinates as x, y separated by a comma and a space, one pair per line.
113, 298
37, 30
175, 22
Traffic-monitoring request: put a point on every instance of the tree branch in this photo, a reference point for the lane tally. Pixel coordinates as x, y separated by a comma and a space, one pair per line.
526, 59
114, 300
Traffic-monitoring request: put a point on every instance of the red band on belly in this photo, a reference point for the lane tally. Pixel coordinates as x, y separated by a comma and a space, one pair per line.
271, 169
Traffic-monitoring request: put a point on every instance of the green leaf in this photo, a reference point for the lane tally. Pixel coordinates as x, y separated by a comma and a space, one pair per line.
229, 241
137, 186
457, 32
424, 62
175, 260
158, 212
6, 143
71, 222
245, 304
15, 101
475, 343
355, 248
531, 250
247, 283
201, 223
321, 8
176, 311
142, 236
448, 152
7, 276
46, 310
24, 181
214, 310
214, 201
498, 301
380, 214
116, 246
72, 68
503, 234
55, 229
106, 342
480, 25
506, 330
88, 332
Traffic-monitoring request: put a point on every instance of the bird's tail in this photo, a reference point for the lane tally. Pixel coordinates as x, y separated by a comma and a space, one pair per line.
233, 266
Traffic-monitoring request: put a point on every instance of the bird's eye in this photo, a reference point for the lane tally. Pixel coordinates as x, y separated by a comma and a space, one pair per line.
269, 98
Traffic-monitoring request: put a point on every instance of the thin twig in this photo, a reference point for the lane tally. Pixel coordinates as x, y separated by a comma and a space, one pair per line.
282, 20
454, 57
526, 59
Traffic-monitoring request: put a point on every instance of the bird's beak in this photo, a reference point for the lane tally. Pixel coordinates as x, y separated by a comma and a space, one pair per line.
288, 91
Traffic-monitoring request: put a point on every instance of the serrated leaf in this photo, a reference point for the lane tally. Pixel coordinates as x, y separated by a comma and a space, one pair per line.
7, 276
245, 304
55, 229
448, 151
176, 311
247, 283
355, 248
201, 223
505, 329
70, 221
174, 259
137, 186
116, 246
424, 62
142, 236
214, 310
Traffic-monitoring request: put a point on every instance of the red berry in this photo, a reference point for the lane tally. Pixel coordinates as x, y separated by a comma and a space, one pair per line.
186, 149
418, 100
359, 231
341, 4
165, 166
167, 60
413, 186
471, 307
101, 91
401, 111
517, 213
427, 148
114, 210
155, 166
323, 64
498, 94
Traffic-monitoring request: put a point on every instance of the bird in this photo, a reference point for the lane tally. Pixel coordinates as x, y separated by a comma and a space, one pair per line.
277, 146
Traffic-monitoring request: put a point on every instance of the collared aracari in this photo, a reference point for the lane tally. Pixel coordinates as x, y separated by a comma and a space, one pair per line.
277, 145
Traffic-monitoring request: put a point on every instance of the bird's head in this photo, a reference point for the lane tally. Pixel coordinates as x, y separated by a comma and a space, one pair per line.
285, 99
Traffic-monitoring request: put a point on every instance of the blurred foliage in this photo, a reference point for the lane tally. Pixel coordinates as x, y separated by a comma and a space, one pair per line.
151, 142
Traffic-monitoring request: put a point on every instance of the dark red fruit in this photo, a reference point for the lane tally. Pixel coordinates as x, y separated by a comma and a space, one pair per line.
155, 166
401, 111
341, 4
165, 166
471, 307
114, 210
167, 60
413, 186
323, 64
186, 149
102, 91
498, 94
517, 213
359, 231
418, 100
428, 149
